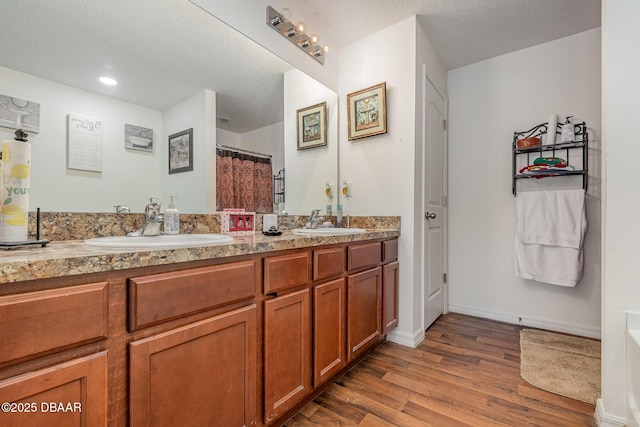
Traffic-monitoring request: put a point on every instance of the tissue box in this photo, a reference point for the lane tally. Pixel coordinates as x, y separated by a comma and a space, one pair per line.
268, 221
237, 222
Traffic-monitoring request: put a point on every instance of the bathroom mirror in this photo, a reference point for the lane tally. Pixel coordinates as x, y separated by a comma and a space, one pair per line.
178, 68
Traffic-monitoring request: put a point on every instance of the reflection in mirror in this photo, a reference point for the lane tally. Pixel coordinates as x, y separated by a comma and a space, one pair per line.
177, 68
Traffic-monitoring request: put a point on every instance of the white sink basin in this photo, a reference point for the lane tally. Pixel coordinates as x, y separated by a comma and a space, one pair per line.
160, 242
328, 231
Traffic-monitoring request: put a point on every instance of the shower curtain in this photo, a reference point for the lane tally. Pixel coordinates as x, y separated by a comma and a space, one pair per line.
243, 181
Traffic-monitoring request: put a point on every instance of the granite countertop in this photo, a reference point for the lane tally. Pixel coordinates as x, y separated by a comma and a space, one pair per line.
71, 257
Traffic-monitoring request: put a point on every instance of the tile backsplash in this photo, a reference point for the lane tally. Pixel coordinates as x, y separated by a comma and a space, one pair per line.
57, 226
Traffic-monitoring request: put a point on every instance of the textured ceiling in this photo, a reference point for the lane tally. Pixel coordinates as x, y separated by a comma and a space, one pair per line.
163, 51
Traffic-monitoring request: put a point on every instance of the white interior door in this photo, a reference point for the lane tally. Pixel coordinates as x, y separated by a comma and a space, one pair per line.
434, 185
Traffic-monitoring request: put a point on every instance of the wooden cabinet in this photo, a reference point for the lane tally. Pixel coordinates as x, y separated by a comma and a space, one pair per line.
161, 297
329, 329
286, 271
363, 308
389, 250
68, 394
200, 374
363, 255
287, 352
246, 340
389, 296
328, 263
42, 322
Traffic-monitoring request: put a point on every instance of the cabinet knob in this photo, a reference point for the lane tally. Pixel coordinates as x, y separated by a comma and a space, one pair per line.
429, 216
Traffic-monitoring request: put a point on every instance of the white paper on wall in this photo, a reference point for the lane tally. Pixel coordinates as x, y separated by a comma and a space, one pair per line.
84, 150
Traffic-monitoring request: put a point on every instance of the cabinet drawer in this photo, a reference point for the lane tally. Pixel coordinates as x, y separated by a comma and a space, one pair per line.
389, 250
328, 263
161, 297
286, 271
45, 321
363, 256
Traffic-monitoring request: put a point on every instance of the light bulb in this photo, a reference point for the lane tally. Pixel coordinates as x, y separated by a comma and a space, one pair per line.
314, 38
326, 48
301, 26
286, 13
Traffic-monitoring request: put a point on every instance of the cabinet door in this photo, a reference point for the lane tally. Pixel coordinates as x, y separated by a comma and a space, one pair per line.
363, 312
287, 352
202, 374
389, 296
69, 394
329, 328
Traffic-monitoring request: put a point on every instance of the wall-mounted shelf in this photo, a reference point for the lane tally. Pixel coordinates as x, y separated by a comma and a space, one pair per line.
278, 187
575, 153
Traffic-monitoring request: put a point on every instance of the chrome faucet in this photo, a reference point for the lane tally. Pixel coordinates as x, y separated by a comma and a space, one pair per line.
122, 209
153, 219
314, 219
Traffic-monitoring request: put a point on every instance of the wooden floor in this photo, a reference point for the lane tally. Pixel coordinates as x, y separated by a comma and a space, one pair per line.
465, 373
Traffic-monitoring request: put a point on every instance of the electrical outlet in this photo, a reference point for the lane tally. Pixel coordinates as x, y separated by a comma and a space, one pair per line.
328, 190
346, 189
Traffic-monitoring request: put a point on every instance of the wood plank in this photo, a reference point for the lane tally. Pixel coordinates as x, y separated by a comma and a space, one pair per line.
465, 373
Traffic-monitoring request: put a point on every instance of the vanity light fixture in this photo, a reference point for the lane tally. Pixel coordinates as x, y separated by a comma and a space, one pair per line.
281, 22
108, 81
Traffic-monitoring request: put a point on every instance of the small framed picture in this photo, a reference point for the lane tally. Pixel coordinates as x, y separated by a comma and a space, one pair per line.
312, 126
17, 113
181, 151
138, 138
367, 112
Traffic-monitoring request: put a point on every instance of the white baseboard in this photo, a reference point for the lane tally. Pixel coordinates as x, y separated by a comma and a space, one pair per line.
607, 420
406, 339
574, 329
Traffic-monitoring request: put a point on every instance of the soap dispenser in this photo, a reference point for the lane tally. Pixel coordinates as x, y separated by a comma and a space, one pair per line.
172, 218
568, 131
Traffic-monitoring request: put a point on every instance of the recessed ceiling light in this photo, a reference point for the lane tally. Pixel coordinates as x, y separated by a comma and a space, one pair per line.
108, 81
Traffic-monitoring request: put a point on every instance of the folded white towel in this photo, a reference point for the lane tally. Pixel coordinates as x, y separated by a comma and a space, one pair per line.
550, 231
552, 217
555, 265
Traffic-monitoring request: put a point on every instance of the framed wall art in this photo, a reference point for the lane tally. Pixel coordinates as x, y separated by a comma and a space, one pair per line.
181, 151
312, 126
367, 112
84, 143
17, 113
138, 138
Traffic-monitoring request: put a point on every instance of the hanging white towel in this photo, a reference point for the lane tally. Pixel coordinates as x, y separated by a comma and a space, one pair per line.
550, 232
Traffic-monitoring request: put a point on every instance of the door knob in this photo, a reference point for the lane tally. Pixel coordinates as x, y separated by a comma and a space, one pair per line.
428, 215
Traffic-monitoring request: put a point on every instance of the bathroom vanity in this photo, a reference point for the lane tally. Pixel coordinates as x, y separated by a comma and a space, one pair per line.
239, 334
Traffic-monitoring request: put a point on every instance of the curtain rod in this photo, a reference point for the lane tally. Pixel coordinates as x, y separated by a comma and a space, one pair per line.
240, 150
